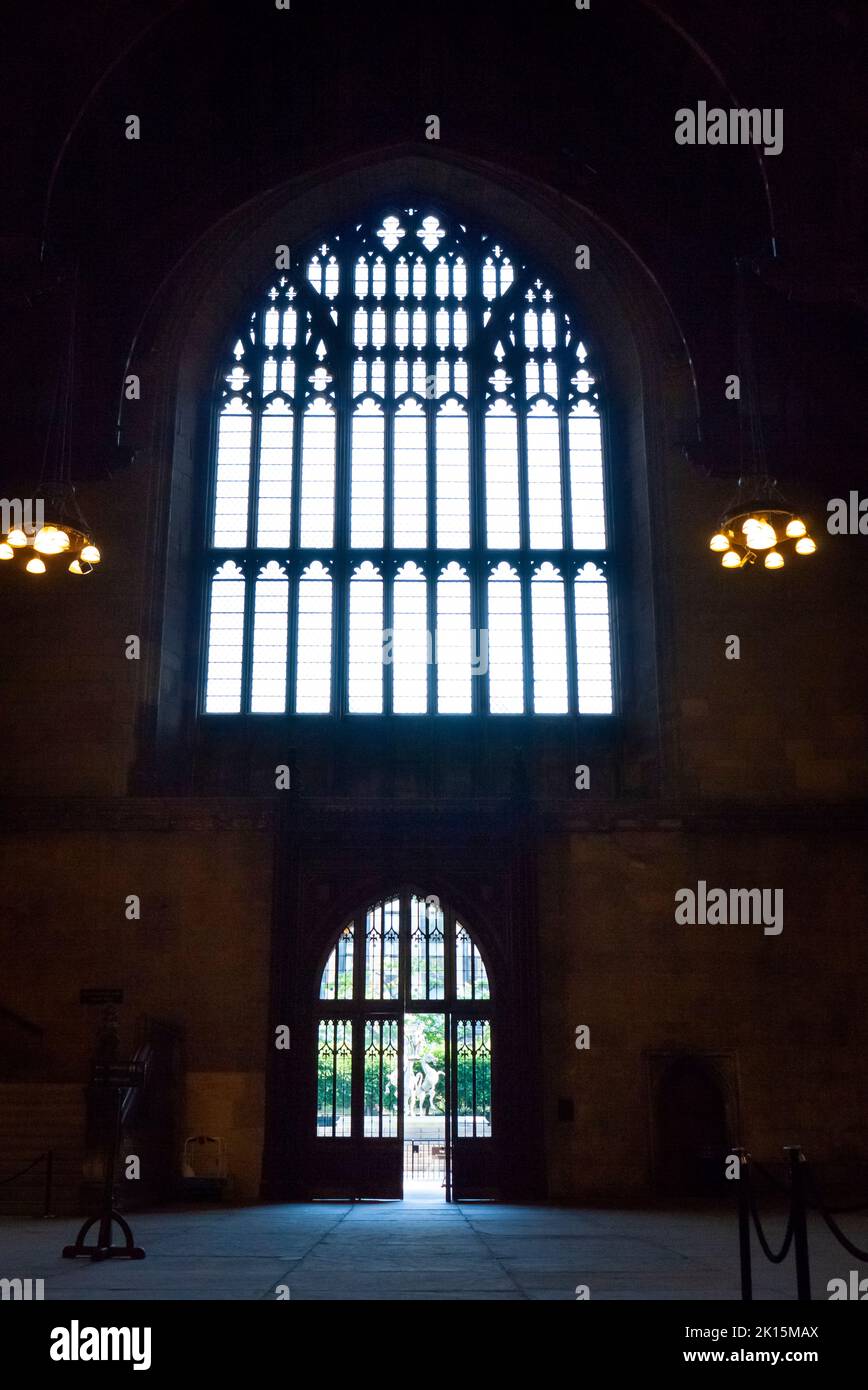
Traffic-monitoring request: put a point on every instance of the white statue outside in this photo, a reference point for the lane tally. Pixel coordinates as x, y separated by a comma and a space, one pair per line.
421, 1076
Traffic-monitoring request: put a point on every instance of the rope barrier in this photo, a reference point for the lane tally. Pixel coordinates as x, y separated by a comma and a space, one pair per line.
832, 1223
802, 1183
766, 1248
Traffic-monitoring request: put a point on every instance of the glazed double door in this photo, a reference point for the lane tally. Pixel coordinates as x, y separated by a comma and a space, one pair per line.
394, 1086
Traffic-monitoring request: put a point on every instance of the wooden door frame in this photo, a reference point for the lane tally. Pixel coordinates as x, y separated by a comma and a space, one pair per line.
329, 859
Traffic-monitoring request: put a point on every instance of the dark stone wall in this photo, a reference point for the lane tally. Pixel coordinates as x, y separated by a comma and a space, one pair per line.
262, 126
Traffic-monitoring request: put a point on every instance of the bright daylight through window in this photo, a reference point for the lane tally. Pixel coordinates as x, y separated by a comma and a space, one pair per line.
408, 497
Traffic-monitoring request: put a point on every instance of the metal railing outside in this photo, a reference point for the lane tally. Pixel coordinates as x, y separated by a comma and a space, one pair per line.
424, 1159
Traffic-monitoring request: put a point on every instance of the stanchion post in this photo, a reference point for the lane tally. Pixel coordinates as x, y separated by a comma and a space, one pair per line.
744, 1224
800, 1221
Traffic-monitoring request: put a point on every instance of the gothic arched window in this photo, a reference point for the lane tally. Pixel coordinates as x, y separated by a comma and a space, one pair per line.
408, 507
402, 957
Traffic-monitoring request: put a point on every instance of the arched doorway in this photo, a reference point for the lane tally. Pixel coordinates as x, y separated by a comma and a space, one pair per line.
692, 1129
404, 1042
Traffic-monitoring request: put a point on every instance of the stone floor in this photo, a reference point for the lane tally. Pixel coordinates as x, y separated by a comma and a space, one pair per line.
421, 1249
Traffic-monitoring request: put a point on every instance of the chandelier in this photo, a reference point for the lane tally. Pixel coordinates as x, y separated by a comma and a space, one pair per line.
758, 520
49, 532
52, 535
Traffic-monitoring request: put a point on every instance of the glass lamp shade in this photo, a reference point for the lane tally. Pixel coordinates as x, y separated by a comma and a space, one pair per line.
50, 540
6, 551
774, 560
35, 566
805, 546
759, 534
16, 537
91, 554
796, 528
719, 542
731, 561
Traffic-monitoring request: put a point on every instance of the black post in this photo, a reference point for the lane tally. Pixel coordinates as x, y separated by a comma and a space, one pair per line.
49, 1182
744, 1224
113, 1140
800, 1224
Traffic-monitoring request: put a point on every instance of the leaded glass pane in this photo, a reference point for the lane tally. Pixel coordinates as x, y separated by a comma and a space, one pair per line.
408, 386
318, 476
337, 977
471, 976
454, 642
270, 617
473, 1073
366, 503
549, 626
334, 1078
502, 514
453, 477
233, 475
314, 660
586, 478
505, 651
593, 641
427, 978
382, 964
410, 476
225, 641
381, 1078
366, 641
544, 477
410, 641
